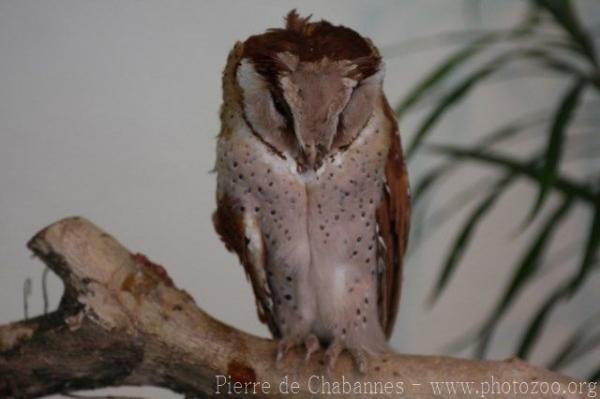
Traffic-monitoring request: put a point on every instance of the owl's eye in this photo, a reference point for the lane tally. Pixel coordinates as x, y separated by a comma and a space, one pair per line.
283, 108
355, 115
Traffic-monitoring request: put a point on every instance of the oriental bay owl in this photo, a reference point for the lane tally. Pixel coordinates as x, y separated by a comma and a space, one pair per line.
312, 189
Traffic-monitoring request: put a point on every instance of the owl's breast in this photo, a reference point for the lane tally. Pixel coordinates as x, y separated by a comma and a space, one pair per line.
269, 190
326, 214
342, 200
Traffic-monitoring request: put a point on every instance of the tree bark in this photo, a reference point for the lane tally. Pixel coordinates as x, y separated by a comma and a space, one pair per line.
121, 321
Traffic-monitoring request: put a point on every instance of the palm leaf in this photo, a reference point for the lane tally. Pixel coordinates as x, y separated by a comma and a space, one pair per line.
509, 131
463, 239
444, 70
460, 57
451, 99
585, 347
535, 327
565, 290
460, 90
427, 182
554, 149
576, 345
526, 269
588, 260
432, 179
572, 53
455, 204
562, 356
564, 14
563, 184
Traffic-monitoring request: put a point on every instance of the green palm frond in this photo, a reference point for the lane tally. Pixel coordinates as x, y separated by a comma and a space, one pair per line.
567, 51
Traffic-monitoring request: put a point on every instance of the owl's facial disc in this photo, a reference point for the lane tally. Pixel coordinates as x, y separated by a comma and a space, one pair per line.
310, 109
316, 94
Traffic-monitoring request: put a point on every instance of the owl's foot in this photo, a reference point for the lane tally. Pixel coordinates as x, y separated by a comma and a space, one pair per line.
358, 355
283, 347
361, 359
331, 354
312, 344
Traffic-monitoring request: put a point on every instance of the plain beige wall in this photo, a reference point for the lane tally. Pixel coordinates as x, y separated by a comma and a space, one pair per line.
108, 109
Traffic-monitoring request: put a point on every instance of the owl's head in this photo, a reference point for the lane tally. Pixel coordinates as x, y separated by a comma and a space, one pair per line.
306, 90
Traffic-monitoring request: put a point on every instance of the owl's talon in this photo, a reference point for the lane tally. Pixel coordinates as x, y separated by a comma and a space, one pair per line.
331, 355
283, 347
360, 359
312, 344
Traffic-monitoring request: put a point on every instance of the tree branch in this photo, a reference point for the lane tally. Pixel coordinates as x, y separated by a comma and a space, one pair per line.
121, 321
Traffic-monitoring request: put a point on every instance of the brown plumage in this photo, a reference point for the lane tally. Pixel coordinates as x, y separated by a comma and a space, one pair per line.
310, 42
312, 187
393, 219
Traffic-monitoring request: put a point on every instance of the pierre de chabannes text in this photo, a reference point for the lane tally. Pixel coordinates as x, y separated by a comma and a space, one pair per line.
318, 384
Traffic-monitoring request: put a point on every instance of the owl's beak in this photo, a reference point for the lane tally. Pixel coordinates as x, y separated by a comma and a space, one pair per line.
313, 154
315, 143
310, 154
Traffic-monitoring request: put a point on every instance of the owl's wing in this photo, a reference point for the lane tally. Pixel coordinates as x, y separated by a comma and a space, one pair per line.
393, 221
241, 234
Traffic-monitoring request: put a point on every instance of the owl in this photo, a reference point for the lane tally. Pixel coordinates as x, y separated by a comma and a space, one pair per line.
312, 188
